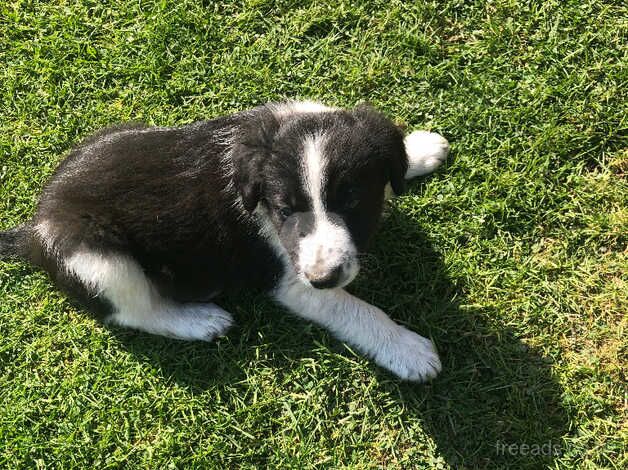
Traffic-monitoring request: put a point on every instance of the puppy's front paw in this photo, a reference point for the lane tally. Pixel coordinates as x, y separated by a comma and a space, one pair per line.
409, 356
197, 322
426, 152
207, 321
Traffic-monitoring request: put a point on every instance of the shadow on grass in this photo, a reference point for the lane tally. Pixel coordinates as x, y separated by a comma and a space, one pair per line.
495, 403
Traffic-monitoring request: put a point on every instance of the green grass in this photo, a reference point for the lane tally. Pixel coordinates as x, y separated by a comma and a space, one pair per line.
512, 257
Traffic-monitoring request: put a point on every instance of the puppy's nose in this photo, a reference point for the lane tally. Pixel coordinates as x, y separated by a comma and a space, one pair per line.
328, 281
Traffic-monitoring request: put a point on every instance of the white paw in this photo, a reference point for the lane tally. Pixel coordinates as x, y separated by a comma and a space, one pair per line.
192, 321
409, 356
426, 152
203, 322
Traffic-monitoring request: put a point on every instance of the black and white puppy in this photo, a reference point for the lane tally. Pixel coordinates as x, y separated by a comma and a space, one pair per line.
151, 223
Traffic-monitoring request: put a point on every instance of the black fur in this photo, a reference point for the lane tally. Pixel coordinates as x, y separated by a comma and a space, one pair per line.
181, 200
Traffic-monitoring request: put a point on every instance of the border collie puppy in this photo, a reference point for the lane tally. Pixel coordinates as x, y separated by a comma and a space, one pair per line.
150, 223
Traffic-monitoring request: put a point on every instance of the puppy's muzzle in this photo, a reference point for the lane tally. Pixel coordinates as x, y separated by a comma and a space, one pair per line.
327, 256
327, 280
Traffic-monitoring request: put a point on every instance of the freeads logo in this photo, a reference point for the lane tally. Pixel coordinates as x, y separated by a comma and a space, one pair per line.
546, 449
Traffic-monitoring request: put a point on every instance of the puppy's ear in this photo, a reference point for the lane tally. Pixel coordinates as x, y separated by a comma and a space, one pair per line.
252, 146
387, 138
398, 165
249, 185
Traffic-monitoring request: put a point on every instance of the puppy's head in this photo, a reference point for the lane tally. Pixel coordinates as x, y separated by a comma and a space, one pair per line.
318, 176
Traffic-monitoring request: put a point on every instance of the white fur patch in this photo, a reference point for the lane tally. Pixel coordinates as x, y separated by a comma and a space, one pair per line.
314, 172
403, 352
329, 246
426, 152
136, 302
288, 108
326, 248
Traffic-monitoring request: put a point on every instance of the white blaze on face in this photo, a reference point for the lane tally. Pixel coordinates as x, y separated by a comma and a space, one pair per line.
314, 172
285, 109
329, 246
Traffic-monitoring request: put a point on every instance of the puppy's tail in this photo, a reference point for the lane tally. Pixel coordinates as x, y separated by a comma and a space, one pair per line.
14, 243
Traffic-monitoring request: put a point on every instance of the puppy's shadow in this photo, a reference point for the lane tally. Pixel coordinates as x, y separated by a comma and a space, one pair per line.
494, 405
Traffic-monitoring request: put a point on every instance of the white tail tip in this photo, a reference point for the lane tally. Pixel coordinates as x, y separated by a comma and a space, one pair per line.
426, 152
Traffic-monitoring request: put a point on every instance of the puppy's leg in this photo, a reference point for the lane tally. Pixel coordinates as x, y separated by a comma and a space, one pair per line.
403, 352
426, 152
136, 302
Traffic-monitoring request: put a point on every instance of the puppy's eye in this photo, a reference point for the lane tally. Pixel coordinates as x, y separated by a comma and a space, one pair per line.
285, 212
352, 199
352, 203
